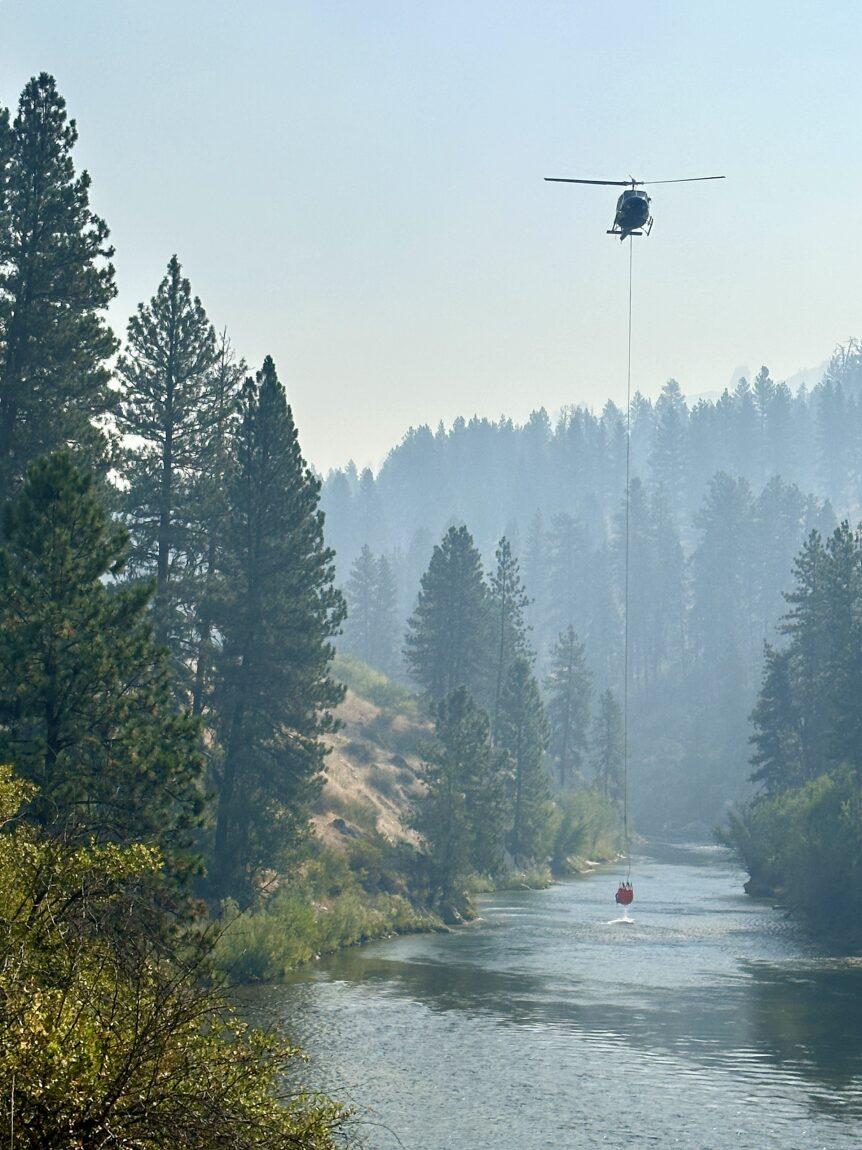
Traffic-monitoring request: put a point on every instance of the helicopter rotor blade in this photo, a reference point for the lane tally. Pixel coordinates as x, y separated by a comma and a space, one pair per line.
605, 183
689, 180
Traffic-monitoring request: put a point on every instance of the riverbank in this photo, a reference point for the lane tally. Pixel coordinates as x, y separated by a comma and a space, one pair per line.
366, 876
803, 848
330, 911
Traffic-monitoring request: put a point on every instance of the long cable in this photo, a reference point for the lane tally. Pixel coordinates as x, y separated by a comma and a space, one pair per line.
626, 582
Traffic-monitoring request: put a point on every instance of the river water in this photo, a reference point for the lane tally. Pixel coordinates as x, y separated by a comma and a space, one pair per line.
708, 1022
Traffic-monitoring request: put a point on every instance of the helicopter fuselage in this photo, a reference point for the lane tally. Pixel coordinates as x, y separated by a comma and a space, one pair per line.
632, 212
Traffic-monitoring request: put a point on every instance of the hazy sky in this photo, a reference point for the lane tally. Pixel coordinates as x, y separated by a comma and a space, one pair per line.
356, 188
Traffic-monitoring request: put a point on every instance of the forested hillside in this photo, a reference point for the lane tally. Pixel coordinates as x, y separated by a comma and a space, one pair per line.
723, 495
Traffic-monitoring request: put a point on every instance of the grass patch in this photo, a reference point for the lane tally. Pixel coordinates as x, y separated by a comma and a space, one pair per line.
361, 812
375, 687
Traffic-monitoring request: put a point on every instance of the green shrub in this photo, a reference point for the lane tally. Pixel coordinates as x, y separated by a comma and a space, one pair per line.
806, 846
586, 825
341, 900
108, 1034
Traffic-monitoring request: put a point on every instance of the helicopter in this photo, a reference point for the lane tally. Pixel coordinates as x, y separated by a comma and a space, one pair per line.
632, 216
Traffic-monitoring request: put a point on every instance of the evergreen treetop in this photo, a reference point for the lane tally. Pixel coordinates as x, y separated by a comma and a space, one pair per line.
171, 405
447, 636
507, 602
56, 280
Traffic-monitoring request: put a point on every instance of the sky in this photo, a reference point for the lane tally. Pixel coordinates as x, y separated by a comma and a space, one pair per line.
356, 189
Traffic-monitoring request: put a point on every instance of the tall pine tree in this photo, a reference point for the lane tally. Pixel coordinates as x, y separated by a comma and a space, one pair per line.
523, 734
278, 615
607, 746
361, 595
507, 601
208, 512
776, 736
85, 697
385, 628
56, 280
568, 689
462, 814
169, 406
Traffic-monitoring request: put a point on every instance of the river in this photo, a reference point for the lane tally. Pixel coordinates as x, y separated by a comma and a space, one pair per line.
710, 1021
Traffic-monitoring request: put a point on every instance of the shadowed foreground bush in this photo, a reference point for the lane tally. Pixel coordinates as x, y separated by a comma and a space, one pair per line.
107, 1039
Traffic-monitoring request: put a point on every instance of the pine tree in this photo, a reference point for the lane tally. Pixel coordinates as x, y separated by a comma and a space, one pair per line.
461, 816
369, 511
607, 747
507, 602
360, 595
668, 464
170, 404
776, 736
447, 640
385, 619
56, 281
279, 612
208, 512
523, 735
569, 690
337, 503
843, 668
723, 568
372, 611
567, 563
85, 696
535, 577
806, 623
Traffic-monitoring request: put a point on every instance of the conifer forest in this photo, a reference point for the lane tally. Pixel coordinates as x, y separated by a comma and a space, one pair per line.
347, 758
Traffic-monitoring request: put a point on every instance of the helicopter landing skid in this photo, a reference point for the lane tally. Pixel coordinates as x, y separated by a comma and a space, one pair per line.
621, 234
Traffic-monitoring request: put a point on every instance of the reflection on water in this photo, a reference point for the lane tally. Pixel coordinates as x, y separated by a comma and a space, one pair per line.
710, 1021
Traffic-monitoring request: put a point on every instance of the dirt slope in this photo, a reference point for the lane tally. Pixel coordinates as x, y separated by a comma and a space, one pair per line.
372, 774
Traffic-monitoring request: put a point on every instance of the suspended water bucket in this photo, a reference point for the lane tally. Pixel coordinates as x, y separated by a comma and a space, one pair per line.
625, 895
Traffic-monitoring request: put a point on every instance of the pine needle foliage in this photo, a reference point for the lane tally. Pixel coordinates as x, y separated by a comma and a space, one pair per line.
170, 402
523, 734
56, 280
569, 690
508, 602
278, 614
607, 747
447, 640
86, 707
462, 817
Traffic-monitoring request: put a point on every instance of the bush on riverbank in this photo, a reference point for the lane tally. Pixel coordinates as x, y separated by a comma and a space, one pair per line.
586, 827
805, 846
339, 901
